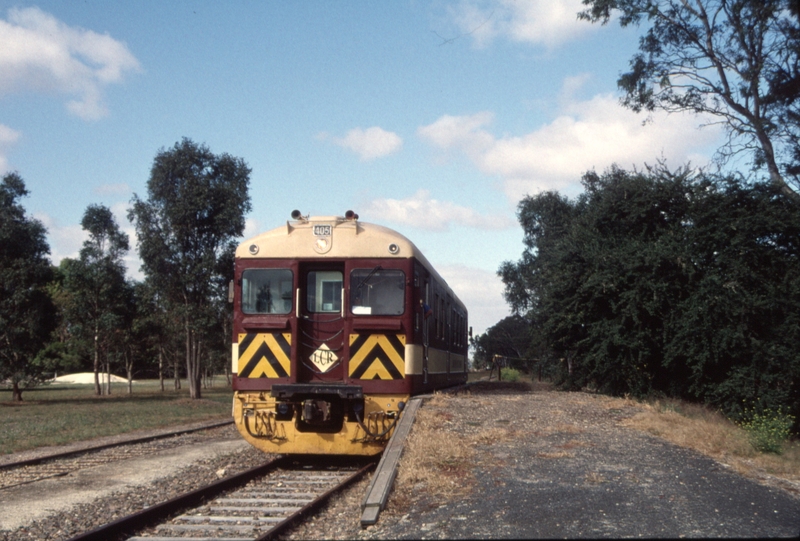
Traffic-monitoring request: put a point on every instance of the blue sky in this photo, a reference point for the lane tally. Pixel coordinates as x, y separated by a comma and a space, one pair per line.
434, 118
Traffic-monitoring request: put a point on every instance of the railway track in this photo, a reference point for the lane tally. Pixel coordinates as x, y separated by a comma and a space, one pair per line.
59, 464
257, 504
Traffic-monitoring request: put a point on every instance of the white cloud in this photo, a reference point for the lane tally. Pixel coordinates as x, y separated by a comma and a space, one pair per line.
422, 212
369, 144
65, 240
132, 261
482, 293
543, 22
113, 189
252, 227
461, 132
40, 53
8, 138
586, 135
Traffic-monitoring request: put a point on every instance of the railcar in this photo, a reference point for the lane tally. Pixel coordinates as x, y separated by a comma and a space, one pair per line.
337, 323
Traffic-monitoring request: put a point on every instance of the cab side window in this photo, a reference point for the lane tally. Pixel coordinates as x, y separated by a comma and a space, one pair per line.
378, 292
267, 291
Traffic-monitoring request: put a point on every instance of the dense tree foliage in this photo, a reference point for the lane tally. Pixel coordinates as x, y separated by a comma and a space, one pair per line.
508, 338
666, 282
195, 209
736, 60
27, 313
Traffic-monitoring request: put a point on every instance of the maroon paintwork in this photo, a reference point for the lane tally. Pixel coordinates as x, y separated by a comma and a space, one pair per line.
312, 329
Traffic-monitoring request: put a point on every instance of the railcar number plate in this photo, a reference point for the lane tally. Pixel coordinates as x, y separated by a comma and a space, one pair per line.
322, 230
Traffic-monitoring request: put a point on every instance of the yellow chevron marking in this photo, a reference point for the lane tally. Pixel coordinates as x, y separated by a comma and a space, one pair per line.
357, 358
376, 369
264, 367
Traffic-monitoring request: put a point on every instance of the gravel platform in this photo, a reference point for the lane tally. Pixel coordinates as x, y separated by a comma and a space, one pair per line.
563, 466
542, 465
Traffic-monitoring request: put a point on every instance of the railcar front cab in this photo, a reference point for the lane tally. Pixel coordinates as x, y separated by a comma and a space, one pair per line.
328, 323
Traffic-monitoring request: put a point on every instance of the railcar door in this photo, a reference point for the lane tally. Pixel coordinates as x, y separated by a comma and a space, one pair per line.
321, 337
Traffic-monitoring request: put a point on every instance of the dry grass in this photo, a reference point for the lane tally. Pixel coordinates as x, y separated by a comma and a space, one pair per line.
709, 432
437, 457
434, 457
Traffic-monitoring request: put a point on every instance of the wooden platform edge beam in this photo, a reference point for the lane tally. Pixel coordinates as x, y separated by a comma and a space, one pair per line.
381, 485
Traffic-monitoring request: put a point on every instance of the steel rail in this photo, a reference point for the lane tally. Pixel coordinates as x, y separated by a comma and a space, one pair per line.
102, 446
310, 507
151, 515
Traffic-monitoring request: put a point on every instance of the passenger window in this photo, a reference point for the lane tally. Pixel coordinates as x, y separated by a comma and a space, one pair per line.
377, 292
324, 291
267, 291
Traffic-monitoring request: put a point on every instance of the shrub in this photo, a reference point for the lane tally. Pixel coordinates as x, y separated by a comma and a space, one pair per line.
510, 374
767, 431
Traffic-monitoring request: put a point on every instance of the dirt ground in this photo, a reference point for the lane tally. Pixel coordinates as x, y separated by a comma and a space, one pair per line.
512, 464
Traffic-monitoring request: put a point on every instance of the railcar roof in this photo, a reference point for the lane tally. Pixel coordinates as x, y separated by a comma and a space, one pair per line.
344, 239
347, 238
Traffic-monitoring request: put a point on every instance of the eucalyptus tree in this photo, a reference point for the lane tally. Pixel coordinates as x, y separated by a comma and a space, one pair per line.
99, 296
160, 332
195, 208
27, 313
667, 282
737, 61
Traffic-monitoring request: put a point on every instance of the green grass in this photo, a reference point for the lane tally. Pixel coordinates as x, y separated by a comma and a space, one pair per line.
60, 414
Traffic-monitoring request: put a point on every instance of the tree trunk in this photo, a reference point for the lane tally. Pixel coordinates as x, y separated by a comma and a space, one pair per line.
129, 370
177, 369
97, 390
16, 392
161, 367
193, 374
775, 175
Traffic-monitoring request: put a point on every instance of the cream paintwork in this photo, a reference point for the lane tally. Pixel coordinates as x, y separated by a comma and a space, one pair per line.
349, 239
414, 360
437, 361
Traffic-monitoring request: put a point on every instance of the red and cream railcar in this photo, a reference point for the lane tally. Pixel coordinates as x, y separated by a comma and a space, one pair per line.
337, 323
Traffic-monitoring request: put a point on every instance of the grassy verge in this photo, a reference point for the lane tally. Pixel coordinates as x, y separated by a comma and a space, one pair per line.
61, 414
709, 432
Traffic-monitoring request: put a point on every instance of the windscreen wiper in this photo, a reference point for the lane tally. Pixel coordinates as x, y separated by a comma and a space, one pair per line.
368, 277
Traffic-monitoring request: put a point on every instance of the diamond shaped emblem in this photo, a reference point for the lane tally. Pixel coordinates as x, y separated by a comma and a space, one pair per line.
324, 358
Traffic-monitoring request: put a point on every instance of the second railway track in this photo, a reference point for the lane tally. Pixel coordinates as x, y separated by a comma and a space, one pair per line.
14, 474
254, 505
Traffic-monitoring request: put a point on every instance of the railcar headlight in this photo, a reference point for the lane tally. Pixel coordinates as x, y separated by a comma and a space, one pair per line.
283, 408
